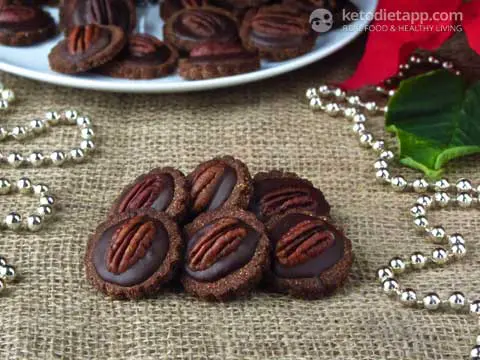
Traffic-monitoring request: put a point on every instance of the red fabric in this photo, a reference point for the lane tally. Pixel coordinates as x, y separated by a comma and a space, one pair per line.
386, 50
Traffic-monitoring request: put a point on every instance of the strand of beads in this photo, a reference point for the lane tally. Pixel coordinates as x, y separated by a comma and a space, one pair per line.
7, 96
43, 213
463, 194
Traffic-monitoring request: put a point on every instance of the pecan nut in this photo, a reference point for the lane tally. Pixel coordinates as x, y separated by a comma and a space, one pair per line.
140, 45
205, 184
279, 22
16, 14
100, 12
303, 242
146, 193
129, 244
203, 23
220, 240
284, 199
81, 38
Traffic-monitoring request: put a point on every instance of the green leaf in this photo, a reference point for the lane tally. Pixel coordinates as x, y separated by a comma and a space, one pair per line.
436, 119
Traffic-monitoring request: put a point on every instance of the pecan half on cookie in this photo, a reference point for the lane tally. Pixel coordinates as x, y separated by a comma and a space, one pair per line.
191, 27
86, 47
276, 192
25, 25
277, 32
133, 254
220, 182
121, 13
162, 189
311, 257
218, 59
227, 253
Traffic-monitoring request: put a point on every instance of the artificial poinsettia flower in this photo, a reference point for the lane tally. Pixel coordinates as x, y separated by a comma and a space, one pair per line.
386, 50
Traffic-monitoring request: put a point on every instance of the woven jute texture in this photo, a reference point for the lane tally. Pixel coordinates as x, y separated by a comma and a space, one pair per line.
52, 312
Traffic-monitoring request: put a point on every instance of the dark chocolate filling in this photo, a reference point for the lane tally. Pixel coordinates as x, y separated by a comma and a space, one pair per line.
158, 57
142, 269
228, 264
286, 41
315, 266
224, 30
224, 189
36, 21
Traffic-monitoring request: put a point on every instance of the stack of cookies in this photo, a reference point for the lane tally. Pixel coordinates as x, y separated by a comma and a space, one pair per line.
220, 233
202, 38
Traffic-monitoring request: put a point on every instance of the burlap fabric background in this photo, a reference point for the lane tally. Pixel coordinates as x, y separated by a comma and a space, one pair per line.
54, 313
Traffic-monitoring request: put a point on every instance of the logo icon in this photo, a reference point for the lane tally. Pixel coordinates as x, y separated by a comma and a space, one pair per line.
321, 20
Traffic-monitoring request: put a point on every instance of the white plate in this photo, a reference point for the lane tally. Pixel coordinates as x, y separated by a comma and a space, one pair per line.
32, 62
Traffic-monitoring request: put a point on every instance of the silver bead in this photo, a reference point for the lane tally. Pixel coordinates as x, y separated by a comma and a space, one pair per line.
378, 145
475, 307
365, 139
3, 105
5, 186
311, 93
358, 128
475, 353
425, 200
87, 146
380, 164
397, 265
457, 301
77, 155
353, 100
387, 155
53, 118
15, 159
3, 133
382, 176
441, 185
45, 211
390, 287
448, 65
47, 200
8, 273
464, 200
34, 223
418, 260
359, 119
3, 261
408, 297
36, 159
8, 95
71, 116
384, 273
398, 183
40, 189
350, 112
459, 250
456, 239
339, 93
437, 234
332, 109
420, 185
431, 301
58, 157
13, 221
315, 103
464, 185
421, 223
371, 107
37, 126
24, 185
19, 132
439, 256
442, 199
415, 60
417, 210
324, 90
433, 60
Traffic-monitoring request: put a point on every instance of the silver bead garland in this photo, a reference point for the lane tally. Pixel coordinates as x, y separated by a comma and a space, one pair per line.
450, 247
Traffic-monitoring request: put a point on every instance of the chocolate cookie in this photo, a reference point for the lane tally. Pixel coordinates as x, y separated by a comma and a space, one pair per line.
191, 27
220, 182
25, 25
133, 254
277, 32
227, 253
216, 59
162, 189
121, 13
145, 57
86, 47
277, 192
311, 258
